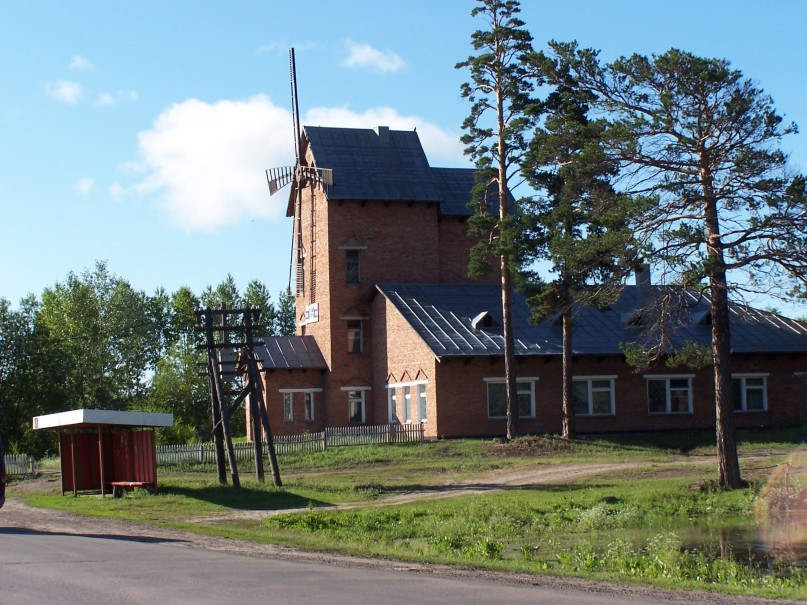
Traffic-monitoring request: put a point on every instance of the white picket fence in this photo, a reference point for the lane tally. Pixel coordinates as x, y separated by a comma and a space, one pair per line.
20, 464
307, 443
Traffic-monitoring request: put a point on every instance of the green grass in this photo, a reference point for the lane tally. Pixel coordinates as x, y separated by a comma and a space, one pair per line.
662, 523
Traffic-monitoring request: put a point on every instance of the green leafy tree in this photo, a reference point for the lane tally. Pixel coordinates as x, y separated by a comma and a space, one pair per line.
285, 324
257, 296
579, 223
730, 215
105, 332
31, 378
183, 314
178, 388
500, 92
226, 293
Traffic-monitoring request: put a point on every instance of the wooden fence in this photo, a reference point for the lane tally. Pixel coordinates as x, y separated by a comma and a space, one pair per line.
307, 443
20, 464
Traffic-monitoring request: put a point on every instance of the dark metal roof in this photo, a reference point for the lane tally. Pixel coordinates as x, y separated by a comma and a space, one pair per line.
455, 185
290, 352
387, 165
443, 316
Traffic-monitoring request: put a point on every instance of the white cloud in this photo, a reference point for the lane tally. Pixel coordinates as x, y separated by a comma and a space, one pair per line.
84, 186
64, 91
79, 63
365, 56
106, 99
205, 162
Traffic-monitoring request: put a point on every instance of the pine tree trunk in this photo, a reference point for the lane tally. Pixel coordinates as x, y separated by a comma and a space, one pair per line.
569, 431
509, 351
728, 463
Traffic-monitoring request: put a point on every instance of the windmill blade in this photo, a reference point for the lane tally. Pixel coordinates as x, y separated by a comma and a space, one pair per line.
323, 176
279, 178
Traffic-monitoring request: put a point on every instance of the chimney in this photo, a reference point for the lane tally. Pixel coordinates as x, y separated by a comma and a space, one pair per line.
643, 285
383, 135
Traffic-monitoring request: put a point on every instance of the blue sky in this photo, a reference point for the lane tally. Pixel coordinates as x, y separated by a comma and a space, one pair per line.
138, 133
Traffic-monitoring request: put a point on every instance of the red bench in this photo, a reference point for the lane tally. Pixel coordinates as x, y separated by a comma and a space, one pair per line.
119, 486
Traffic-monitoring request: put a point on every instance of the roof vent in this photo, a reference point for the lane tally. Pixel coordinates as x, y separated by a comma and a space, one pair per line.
484, 320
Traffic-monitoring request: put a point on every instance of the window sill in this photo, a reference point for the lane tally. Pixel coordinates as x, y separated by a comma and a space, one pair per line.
611, 415
669, 413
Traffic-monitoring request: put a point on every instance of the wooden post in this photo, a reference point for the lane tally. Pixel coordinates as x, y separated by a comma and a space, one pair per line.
73, 462
101, 460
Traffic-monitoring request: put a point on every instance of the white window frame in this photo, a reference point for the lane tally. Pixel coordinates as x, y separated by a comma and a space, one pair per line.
288, 406
308, 406
524, 386
406, 393
357, 394
742, 377
421, 391
290, 392
392, 402
667, 378
590, 390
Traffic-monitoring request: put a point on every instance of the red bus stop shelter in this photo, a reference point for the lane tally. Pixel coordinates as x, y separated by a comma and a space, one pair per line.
106, 450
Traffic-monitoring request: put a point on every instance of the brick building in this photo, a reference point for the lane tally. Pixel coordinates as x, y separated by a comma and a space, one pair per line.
392, 330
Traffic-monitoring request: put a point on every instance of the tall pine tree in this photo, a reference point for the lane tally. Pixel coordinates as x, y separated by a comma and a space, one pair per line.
503, 76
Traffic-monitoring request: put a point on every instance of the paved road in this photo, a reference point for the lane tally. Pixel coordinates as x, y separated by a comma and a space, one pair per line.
40, 567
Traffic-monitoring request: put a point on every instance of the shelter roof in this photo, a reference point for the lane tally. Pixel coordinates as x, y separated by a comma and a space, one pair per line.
85, 418
290, 352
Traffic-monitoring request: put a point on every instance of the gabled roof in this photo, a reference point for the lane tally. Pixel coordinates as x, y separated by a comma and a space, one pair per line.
443, 316
386, 165
290, 352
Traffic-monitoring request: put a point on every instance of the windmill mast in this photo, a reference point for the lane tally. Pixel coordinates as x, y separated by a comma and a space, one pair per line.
295, 107
297, 185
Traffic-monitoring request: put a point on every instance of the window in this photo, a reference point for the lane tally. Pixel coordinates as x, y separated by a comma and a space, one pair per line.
355, 403
497, 398
593, 396
407, 405
750, 393
308, 407
391, 405
353, 267
354, 336
288, 408
669, 395
422, 402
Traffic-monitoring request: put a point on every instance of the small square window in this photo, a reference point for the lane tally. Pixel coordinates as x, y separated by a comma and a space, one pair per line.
669, 395
497, 399
749, 393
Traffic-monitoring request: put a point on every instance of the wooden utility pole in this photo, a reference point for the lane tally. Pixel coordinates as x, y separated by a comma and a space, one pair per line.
237, 338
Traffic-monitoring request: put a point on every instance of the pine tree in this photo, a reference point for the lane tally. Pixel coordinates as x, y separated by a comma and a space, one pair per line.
502, 80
